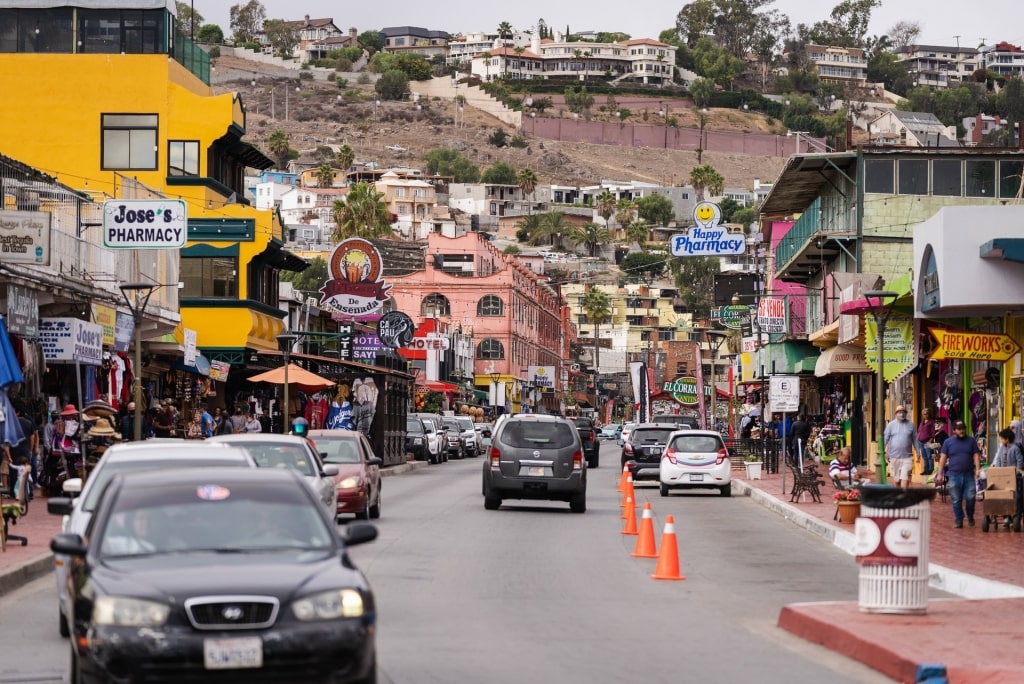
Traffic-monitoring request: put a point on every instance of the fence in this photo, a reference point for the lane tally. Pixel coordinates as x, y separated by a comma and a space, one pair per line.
766, 448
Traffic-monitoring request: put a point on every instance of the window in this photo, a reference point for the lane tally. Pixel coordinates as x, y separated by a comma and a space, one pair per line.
209, 276
113, 31
435, 304
36, 30
913, 176
490, 305
981, 179
183, 158
878, 177
129, 141
946, 179
490, 349
1010, 178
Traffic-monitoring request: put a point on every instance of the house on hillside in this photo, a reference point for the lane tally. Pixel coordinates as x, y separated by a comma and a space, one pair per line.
416, 40
938, 66
912, 129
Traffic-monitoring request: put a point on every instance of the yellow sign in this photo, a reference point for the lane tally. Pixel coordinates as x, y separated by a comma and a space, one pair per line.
973, 346
900, 346
107, 318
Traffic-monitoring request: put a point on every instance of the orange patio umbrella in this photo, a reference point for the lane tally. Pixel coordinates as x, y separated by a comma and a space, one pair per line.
297, 377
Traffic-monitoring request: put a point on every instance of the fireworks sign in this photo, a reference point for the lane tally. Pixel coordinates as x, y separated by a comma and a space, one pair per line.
357, 290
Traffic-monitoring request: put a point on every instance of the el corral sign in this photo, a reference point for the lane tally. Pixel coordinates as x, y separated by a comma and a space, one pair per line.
144, 224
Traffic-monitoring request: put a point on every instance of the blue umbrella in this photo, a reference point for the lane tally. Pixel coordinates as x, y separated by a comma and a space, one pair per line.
10, 427
10, 370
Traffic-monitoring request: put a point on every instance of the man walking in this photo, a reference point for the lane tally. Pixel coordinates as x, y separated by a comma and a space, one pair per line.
964, 458
899, 438
799, 434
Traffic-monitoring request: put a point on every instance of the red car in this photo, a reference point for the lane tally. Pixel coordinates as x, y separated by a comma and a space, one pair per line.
358, 478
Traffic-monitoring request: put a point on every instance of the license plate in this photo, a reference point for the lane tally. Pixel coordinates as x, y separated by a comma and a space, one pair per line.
696, 478
653, 451
233, 654
535, 471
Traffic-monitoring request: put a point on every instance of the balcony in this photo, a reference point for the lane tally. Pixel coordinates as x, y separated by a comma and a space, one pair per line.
191, 57
812, 242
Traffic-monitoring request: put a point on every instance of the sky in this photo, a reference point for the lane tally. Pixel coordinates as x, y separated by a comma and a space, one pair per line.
941, 20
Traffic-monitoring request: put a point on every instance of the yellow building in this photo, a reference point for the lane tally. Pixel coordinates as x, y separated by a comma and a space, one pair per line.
117, 104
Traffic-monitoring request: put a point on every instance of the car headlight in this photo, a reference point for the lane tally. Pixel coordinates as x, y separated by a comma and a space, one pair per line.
330, 605
417, 440
349, 483
117, 611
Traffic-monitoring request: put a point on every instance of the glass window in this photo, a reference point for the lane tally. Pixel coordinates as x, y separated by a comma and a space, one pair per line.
209, 276
878, 176
435, 304
99, 31
183, 158
129, 141
981, 178
113, 31
490, 305
1010, 178
946, 177
913, 176
490, 349
36, 30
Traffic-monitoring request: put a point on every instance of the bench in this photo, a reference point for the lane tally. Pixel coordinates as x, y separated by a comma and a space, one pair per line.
807, 480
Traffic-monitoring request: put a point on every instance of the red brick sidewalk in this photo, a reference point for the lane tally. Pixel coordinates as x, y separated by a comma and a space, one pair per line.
20, 564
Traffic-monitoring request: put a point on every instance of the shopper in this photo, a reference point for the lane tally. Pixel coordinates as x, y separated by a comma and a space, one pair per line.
964, 458
1010, 454
899, 447
252, 423
925, 436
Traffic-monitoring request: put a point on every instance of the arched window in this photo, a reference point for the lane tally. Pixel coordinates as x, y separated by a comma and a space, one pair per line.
490, 305
435, 304
490, 349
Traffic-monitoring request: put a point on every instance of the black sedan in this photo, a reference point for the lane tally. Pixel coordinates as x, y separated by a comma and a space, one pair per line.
217, 575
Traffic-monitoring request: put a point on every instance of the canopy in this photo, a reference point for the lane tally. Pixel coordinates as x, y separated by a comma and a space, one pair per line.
297, 376
440, 386
10, 369
843, 359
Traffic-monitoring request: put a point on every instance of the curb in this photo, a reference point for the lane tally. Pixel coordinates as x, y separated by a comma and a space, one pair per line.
21, 574
406, 467
940, 577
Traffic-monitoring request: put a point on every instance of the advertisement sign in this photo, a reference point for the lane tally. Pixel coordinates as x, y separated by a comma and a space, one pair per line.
145, 224
707, 237
784, 393
357, 290
899, 347
735, 317
25, 237
684, 390
542, 377
395, 329
365, 347
69, 340
124, 331
641, 391
190, 347
887, 541
430, 342
105, 317
219, 370
22, 311
771, 315
956, 344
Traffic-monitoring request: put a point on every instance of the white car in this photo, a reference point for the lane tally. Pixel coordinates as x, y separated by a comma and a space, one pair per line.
472, 441
624, 435
695, 459
150, 455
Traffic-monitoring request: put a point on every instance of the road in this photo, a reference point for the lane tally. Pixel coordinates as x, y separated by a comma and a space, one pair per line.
534, 593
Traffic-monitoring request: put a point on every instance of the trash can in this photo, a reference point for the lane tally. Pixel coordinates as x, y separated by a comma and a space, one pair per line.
892, 549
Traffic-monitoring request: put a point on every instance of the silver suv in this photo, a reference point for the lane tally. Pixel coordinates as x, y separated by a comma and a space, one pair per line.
535, 456
472, 442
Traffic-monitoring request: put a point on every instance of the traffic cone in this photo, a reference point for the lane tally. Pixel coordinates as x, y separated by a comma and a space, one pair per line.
630, 517
668, 560
628, 491
645, 540
622, 480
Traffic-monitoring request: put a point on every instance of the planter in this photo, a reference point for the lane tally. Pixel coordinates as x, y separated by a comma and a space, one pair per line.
753, 470
849, 511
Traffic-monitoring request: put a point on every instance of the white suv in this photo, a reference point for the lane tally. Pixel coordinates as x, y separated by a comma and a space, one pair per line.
695, 459
472, 441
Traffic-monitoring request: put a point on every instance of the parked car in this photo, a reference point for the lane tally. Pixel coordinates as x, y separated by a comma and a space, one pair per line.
610, 431
453, 431
695, 459
436, 440
624, 435
417, 442
536, 456
642, 452
588, 436
681, 422
358, 480
472, 443
217, 575
288, 451
148, 456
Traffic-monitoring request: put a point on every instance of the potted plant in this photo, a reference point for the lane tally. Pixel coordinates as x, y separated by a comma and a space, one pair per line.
848, 505
753, 464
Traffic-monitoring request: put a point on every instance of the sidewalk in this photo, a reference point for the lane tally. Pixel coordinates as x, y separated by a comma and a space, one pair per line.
973, 639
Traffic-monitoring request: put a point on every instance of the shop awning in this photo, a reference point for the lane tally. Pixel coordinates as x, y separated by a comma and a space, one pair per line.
843, 359
1010, 249
582, 400
439, 386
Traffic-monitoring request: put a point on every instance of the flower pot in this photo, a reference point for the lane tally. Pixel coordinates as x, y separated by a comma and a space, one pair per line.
849, 511
753, 470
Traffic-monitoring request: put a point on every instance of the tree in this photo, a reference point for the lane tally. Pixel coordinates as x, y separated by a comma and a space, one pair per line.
637, 232
695, 281
596, 305
716, 63
362, 214
188, 21
904, 33
448, 162
283, 36
528, 227
345, 157
280, 148
706, 178
744, 216
246, 21
500, 174
702, 90
695, 20
655, 209
324, 176
371, 41
604, 204
578, 100
311, 279
766, 42
643, 266
392, 85
553, 227
590, 235
624, 211
1013, 106
504, 30
210, 33
526, 179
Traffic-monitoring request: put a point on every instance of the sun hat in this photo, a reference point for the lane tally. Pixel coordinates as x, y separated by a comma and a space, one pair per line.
69, 410
901, 409
102, 429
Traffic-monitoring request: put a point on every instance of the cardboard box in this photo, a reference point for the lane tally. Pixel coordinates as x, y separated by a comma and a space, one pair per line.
1000, 479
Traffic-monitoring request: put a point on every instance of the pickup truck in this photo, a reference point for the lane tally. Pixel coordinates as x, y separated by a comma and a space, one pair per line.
588, 435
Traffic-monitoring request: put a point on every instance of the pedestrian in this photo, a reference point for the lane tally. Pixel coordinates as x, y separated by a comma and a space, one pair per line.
127, 428
925, 436
799, 435
238, 420
898, 439
164, 423
195, 428
964, 458
206, 421
252, 424
26, 452
1010, 454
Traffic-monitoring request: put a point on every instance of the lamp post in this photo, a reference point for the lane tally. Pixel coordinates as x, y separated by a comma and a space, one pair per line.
136, 296
721, 337
285, 342
881, 312
495, 377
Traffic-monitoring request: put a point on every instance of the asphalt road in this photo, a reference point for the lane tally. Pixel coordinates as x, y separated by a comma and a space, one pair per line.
534, 593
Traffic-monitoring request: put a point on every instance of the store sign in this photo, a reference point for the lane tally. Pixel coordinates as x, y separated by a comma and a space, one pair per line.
954, 344
25, 237
365, 347
899, 346
22, 311
735, 317
190, 347
887, 541
219, 371
542, 376
357, 291
771, 315
430, 343
395, 329
71, 340
707, 237
106, 318
123, 332
145, 224
684, 390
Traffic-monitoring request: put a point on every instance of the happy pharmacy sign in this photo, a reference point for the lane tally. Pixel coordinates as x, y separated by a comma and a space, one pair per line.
707, 237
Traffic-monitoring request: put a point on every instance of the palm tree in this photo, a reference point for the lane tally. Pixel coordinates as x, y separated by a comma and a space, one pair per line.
605, 205
279, 147
591, 235
625, 209
528, 227
636, 232
706, 178
504, 30
596, 305
346, 155
527, 181
324, 176
362, 214
553, 227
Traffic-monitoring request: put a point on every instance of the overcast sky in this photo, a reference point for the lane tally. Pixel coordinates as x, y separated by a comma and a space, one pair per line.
941, 20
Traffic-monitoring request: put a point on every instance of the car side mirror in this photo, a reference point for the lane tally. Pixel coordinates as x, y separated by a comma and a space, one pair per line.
69, 544
59, 505
72, 486
359, 533
375, 461
486, 433
330, 470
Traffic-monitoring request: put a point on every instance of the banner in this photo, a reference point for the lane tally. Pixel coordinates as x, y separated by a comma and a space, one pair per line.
22, 312
641, 391
700, 389
771, 315
899, 346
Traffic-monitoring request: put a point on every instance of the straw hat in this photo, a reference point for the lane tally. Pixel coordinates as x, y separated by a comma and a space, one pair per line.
69, 410
98, 408
102, 428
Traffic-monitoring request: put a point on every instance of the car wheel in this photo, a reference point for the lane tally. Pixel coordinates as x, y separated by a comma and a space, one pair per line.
726, 490
365, 513
578, 503
62, 621
371, 675
664, 489
492, 502
73, 673
594, 462
375, 508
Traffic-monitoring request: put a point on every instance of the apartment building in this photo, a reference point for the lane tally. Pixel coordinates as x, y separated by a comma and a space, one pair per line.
938, 66
415, 40
839, 64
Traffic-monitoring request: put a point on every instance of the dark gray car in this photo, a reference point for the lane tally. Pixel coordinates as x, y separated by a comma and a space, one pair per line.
536, 456
644, 448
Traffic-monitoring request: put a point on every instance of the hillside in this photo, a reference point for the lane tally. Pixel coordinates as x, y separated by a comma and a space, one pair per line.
397, 133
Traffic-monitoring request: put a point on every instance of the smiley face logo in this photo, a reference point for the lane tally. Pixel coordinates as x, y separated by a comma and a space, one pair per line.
707, 214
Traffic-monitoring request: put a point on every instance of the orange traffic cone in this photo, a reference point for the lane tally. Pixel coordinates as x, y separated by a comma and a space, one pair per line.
628, 491
668, 560
630, 517
622, 480
645, 541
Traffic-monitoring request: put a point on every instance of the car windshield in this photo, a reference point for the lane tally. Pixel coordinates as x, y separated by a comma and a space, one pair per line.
293, 456
466, 423
413, 425
339, 449
538, 435
101, 477
650, 436
697, 444
451, 425
212, 517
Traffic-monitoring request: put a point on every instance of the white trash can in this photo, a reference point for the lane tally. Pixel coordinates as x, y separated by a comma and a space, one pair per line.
892, 549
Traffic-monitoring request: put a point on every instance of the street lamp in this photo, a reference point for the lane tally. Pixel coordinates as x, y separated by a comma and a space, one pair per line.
881, 312
721, 337
285, 342
495, 377
136, 296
